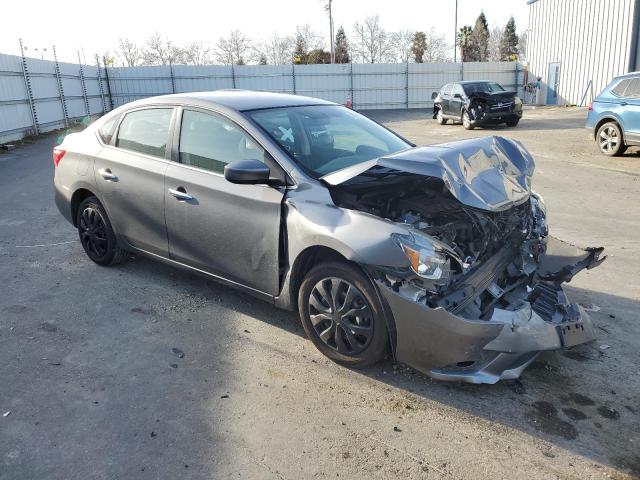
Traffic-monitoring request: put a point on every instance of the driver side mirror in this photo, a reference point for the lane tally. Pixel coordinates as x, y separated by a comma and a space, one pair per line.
434, 95
247, 172
457, 95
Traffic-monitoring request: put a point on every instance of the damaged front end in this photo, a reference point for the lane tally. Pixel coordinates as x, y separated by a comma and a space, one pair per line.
480, 296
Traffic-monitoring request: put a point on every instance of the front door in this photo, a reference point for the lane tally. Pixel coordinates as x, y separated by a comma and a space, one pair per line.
553, 80
455, 103
229, 230
130, 176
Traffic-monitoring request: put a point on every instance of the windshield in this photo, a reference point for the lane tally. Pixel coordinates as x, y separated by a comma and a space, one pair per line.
484, 87
326, 138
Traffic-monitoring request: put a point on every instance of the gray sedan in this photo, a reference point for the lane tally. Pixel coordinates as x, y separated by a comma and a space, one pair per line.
438, 255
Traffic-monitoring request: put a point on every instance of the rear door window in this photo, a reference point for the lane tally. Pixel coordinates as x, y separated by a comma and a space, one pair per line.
145, 131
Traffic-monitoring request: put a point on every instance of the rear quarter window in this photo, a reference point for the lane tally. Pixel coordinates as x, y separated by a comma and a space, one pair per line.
619, 89
633, 89
105, 131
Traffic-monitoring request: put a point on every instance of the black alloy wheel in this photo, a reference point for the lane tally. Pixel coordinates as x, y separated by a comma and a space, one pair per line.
96, 234
341, 316
93, 232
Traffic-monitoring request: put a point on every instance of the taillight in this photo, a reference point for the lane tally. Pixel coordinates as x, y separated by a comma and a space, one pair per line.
590, 107
58, 153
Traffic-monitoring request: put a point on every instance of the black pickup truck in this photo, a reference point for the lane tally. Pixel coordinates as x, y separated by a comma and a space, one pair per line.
476, 103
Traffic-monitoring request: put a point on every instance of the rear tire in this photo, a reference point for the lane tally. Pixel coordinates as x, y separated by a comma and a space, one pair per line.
610, 140
342, 314
466, 121
96, 233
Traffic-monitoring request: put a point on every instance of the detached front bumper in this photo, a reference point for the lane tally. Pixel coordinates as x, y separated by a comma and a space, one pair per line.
447, 346
491, 117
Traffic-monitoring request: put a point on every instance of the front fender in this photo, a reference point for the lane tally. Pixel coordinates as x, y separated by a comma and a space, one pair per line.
358, 236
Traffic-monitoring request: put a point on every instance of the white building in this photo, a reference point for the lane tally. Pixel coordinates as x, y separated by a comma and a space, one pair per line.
577, 46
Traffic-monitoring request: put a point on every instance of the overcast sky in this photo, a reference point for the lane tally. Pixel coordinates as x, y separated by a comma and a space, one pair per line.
94, 26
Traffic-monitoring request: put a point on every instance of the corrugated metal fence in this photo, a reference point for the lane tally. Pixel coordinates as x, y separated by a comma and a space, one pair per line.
38, 95
367, 85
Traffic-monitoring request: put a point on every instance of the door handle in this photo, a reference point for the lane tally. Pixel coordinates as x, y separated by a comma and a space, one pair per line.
107, 175
622, 104
180, 193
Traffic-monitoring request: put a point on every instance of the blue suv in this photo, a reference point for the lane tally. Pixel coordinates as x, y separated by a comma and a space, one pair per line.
614, 115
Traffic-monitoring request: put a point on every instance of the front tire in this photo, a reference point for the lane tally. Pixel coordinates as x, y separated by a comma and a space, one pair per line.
610, 141
466, 121
96, 234
440, 117
513, 123
342, 314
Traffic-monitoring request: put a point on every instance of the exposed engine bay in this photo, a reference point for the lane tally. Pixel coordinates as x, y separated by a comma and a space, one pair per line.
484, 259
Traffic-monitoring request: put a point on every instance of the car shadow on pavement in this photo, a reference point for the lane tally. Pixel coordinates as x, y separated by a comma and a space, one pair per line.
585, 400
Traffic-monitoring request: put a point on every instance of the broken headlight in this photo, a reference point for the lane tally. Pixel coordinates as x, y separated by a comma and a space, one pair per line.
425, 258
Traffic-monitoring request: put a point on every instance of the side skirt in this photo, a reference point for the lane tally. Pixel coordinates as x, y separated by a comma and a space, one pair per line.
225, 281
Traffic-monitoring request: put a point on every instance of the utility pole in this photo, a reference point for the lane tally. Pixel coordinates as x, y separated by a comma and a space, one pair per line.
327, 7
455, 36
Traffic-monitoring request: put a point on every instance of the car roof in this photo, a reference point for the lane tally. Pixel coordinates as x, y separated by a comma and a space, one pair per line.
235, 99
627, 75
466, 82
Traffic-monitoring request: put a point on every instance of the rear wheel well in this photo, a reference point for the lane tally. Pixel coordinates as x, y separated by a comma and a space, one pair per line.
602, 122
77, 198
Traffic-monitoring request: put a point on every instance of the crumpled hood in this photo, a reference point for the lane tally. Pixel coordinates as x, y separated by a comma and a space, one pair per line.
493, 96
490, 173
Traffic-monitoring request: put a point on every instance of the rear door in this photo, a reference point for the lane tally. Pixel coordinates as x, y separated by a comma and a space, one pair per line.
226, 229
130, 176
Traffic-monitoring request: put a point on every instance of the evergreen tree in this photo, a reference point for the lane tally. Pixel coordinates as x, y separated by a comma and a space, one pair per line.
480, 39
342, 47
318, 55
509, 42
419, 46
463, 41
262, 60
300, 52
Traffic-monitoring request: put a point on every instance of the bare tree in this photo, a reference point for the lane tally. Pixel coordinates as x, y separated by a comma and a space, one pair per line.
197, 53
277, 50
522, 46
162, 51
129, 52
370, 40
438, 49
234, 49
311, 39
495, 35
400, 46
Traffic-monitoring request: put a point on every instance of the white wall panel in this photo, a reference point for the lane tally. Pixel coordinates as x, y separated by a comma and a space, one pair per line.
592, 40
